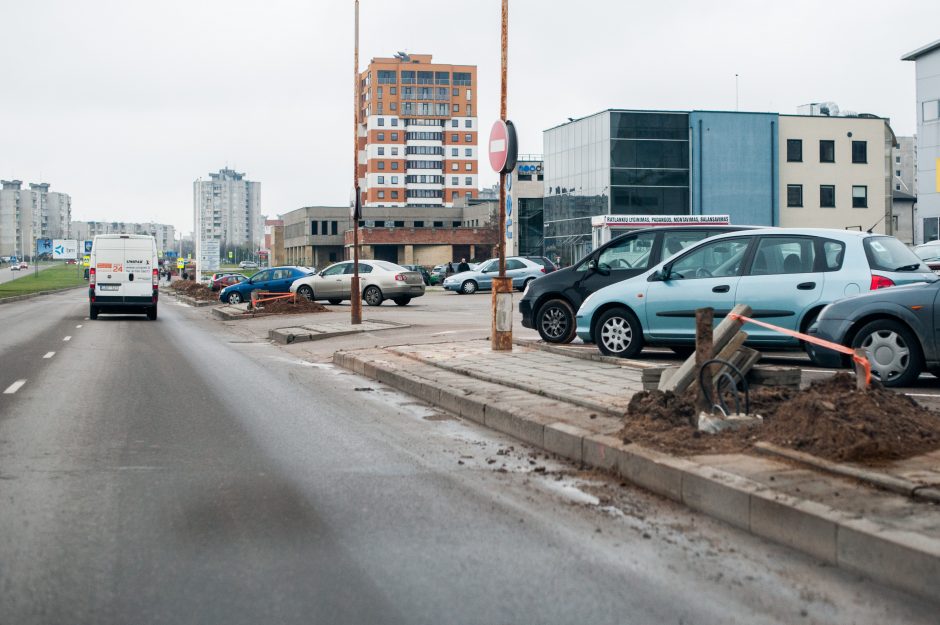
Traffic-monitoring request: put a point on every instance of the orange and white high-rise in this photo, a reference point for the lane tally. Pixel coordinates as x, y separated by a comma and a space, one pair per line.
417, 132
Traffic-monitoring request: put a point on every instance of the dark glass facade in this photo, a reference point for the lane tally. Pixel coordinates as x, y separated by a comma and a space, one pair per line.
614, 162
531, 226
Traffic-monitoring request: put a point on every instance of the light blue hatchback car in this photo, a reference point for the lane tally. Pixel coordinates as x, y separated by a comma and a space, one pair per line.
786, 276
520, 269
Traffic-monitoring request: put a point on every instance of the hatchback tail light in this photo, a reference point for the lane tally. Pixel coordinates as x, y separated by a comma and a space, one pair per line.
880, 282
400, 277
542, 269
91, 277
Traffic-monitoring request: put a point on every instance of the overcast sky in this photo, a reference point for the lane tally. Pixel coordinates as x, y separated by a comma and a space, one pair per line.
123, 103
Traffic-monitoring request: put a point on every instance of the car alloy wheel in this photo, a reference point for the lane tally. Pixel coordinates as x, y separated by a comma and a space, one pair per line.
373, 296
234, 297
618, 334
306, 292
469, 287
892, 350
556, 322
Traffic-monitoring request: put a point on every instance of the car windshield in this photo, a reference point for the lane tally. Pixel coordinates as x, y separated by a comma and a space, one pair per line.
889, 254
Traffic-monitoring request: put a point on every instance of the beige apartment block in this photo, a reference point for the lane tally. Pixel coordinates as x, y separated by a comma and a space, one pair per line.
835, 172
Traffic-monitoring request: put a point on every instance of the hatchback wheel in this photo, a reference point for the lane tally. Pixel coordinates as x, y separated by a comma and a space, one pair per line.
373, 296
234, 297
334, 301
402, 301
893, 351
618, 333
555, 322
306, 292
469, 287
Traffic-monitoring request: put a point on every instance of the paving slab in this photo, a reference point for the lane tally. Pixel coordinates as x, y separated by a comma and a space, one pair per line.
326, 330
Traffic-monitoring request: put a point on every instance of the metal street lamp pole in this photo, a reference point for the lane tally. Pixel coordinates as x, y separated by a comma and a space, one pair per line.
501, 332
355, 296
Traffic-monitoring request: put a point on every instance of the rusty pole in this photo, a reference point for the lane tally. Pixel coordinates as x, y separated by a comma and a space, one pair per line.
501, 330
355, 296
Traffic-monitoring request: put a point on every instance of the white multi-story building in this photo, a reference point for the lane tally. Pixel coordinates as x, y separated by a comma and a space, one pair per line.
165, 234
927, 72
227, 208
417, 133
30, 214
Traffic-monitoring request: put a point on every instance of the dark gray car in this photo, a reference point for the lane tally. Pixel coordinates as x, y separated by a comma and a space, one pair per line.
894, 326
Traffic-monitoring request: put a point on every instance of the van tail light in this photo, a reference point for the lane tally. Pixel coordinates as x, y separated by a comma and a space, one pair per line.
156, 280
880, 282
91, 277
400, 277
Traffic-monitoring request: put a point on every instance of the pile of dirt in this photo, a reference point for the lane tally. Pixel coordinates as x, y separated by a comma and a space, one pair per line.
830, 419
289, 307
194, 290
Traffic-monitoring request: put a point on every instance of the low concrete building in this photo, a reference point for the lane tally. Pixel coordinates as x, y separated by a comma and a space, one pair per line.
313, 235
927, 71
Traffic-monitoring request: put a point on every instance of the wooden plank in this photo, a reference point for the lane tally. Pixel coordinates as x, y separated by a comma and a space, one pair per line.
704, 328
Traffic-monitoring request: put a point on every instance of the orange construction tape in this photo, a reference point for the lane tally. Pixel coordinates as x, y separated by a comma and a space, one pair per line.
814, 340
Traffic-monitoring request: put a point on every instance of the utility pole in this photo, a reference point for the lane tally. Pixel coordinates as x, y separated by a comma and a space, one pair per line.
501, 330
355, 296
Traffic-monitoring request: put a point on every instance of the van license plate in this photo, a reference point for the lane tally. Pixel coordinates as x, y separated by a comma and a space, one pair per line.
109, 287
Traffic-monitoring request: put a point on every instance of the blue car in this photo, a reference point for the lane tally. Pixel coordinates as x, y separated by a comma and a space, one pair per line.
786, 276
274, 280
520, 269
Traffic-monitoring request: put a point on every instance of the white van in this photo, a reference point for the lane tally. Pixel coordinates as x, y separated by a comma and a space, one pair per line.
123, 276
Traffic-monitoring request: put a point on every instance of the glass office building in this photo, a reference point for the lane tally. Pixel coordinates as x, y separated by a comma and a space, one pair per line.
614, 162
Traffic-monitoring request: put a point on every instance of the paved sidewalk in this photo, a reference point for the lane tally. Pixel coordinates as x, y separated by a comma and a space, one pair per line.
572, 407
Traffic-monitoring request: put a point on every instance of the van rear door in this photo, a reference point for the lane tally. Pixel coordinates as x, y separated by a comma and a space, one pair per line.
109, 265
137, 277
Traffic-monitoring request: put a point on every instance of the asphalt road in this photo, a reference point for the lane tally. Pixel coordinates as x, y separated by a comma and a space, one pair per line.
7, 274
172, 472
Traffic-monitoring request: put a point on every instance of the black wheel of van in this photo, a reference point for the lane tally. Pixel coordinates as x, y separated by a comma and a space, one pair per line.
555, 321
893, 351
306, 292
402, 301
234, 297
93, 312
618, 333
334, 301
373, 296
152, 313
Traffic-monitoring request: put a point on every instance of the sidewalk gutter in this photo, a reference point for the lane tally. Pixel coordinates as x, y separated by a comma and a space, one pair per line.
901, 559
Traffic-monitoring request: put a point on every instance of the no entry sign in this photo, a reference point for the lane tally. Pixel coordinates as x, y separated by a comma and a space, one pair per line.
502, 147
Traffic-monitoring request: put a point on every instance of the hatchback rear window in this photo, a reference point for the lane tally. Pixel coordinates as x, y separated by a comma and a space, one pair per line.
889, 254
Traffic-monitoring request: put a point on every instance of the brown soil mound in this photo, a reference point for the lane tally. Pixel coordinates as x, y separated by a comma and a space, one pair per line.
288, 307
830, 419
195, 290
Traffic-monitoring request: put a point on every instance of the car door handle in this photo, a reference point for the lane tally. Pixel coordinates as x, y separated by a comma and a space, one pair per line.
721, 288
806, 286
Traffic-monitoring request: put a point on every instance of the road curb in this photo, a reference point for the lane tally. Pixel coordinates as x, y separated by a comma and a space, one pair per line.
198, 303
904, 560
20, 298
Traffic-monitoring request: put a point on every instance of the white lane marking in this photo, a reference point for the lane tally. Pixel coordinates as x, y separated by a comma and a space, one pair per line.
49, 355
78, 326
14, 387
68, 338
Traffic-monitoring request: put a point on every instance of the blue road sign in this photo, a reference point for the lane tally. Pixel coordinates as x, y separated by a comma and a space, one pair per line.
43, 246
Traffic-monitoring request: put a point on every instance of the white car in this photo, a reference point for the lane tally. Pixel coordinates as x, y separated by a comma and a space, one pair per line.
379, 280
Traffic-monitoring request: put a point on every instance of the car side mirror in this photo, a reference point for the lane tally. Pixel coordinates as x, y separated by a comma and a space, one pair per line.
592, 264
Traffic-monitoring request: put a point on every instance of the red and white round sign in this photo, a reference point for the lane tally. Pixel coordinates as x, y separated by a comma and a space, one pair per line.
502, 147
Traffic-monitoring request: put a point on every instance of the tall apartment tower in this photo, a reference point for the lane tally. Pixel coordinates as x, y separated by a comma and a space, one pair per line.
30, 214
227, 207
417, 132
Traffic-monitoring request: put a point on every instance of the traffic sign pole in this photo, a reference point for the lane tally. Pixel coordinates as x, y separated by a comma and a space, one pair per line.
501, 147
355, 295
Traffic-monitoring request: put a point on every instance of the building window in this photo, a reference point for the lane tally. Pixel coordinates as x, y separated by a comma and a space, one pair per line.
381, 195
380, 136
897, 187
859, 151
455, 151
897, 172
394, 136
454, 166
394, 179
393, 106
399, 224
468, 152
794, 150
468, 181
393, 90
827, 196
456, 92
795, 195
314, 228
334, 229
381, 179
897, 159
455, 195
931, 113
859, 196
381, 165
438, 224
931, 229
827, 151
381, 151
469, 110
394, 195
395, 165
469, 194
454, 123
394, 121
456, 108
454, 181
323, 227
378, 93
455, 138
468, 123
469, 166
419, 224
468, 138
381, 121
394, 151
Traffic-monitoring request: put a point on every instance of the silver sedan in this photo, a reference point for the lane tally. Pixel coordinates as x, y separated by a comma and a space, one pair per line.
378, 279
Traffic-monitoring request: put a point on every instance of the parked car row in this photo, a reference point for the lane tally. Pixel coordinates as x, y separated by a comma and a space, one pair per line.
522, 269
